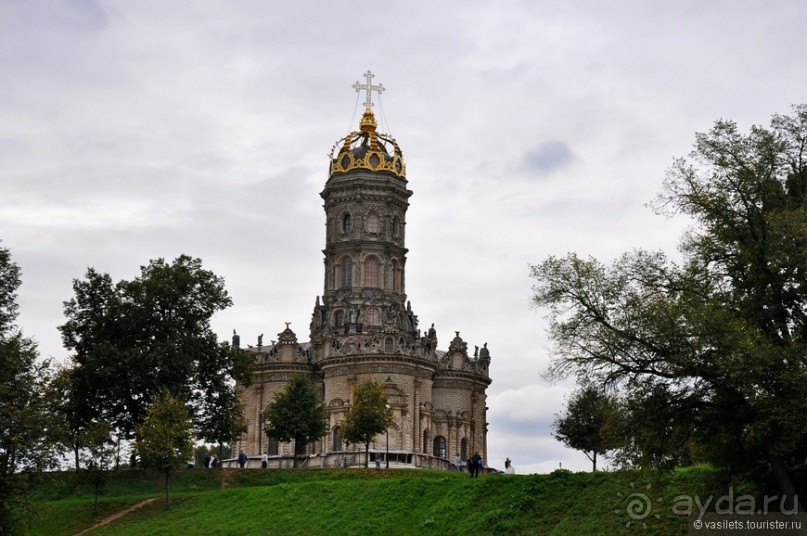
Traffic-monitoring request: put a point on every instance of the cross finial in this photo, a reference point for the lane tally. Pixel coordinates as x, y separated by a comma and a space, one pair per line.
287, 324
368, 87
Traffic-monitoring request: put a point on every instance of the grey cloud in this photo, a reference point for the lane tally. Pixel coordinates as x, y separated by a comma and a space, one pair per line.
547, 157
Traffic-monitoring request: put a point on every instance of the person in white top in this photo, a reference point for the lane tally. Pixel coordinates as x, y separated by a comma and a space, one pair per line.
508, 467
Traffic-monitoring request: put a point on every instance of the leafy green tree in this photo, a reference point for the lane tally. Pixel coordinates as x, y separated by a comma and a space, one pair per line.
220, 418
726, 330
98, 452
134, 339
297, 414
164, 440
368, 416
589, 424
26, 444
654, 428
219, 412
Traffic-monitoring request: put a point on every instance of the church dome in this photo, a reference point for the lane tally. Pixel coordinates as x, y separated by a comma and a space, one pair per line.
367, 149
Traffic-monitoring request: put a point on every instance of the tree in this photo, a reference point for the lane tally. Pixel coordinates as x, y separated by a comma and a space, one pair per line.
135, 339
726, 330
220, 417
368, 416
25, 426
98, 451
654, 428
589, 422
297, 414
164, 439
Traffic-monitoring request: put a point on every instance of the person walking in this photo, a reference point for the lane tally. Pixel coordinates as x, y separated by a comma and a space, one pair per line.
242, 459
264, 460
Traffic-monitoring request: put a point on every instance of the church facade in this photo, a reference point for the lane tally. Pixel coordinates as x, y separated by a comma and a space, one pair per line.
364, 328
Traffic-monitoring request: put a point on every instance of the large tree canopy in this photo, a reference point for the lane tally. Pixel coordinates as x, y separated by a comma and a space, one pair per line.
724, 332
135, 339
25, 426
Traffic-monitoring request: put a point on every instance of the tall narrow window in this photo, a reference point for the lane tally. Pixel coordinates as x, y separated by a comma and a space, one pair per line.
371, 272
440, 447
272, 447
337, 439
464, 448
372, 317
397, 276
347, 223
425, 441
388, 345
339, 318
347, 272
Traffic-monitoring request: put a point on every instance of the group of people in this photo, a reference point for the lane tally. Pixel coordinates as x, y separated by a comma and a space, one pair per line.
211, 461
475, 463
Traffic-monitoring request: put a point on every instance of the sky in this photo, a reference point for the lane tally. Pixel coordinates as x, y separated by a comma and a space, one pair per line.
131, 131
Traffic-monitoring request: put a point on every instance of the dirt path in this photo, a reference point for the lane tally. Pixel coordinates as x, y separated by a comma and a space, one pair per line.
110, 519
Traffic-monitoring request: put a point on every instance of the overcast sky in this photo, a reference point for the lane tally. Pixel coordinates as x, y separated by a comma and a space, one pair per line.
136, 130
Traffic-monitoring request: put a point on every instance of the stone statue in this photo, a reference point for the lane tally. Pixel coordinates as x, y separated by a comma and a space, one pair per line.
236, 340
484, 353
260, 339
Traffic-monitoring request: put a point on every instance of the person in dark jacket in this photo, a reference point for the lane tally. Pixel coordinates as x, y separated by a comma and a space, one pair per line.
477, 463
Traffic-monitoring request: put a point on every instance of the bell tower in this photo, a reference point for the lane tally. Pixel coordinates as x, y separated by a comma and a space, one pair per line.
366, 198
363, 327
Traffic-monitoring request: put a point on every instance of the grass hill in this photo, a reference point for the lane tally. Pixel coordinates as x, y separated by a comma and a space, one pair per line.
388, 502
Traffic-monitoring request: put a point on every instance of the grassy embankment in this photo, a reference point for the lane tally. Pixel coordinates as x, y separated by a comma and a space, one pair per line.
395, 502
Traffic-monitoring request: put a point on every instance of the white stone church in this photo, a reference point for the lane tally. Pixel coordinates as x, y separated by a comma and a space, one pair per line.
364, 328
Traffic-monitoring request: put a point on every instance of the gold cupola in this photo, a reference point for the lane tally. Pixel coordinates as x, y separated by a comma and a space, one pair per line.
367, 148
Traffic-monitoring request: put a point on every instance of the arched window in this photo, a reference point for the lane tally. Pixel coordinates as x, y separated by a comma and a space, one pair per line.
337, 439
388, 348
371, 272
440, 447
339, 318
272, 447
372, 224
464, 448
347, 272
372, 316
347, 223
396, 227
425, 441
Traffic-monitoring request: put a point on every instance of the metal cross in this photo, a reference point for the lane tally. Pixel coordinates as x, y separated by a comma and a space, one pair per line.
368, 87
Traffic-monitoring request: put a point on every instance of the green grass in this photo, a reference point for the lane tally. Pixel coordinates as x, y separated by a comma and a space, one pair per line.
395, 502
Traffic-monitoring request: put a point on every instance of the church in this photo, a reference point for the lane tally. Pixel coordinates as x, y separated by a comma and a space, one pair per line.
364, 328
